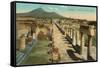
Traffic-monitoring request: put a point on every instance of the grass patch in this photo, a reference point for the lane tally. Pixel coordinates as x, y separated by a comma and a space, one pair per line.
38, 54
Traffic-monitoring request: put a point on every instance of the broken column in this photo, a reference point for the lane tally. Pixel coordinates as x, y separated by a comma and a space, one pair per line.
22, 42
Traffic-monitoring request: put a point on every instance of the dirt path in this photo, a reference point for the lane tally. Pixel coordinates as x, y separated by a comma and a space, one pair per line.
62, 44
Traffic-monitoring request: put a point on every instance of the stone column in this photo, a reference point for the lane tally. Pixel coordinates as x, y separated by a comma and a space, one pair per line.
82, 43
78, 38
90, 36
74, 37
22, 42
29, 38
71, 33
89, 47
67, 30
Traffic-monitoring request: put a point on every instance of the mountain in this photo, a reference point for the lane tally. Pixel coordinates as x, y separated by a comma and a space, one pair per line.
41, 13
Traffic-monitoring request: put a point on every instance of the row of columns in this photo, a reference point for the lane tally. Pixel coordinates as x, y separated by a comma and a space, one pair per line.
78, 38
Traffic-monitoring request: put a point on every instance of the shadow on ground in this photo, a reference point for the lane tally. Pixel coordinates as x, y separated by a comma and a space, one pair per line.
90, 58
77, 48
72, 55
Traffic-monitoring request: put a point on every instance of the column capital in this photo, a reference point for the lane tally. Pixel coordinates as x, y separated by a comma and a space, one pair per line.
91, 31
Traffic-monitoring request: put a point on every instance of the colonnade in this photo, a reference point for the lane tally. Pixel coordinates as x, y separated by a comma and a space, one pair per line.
77, 34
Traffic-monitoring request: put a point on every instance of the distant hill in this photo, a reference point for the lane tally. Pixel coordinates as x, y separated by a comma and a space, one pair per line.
41, 13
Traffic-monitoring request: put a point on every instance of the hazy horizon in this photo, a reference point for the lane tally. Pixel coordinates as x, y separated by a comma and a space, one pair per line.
88, 13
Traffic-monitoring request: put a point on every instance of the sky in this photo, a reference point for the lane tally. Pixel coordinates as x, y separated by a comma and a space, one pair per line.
88, 13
